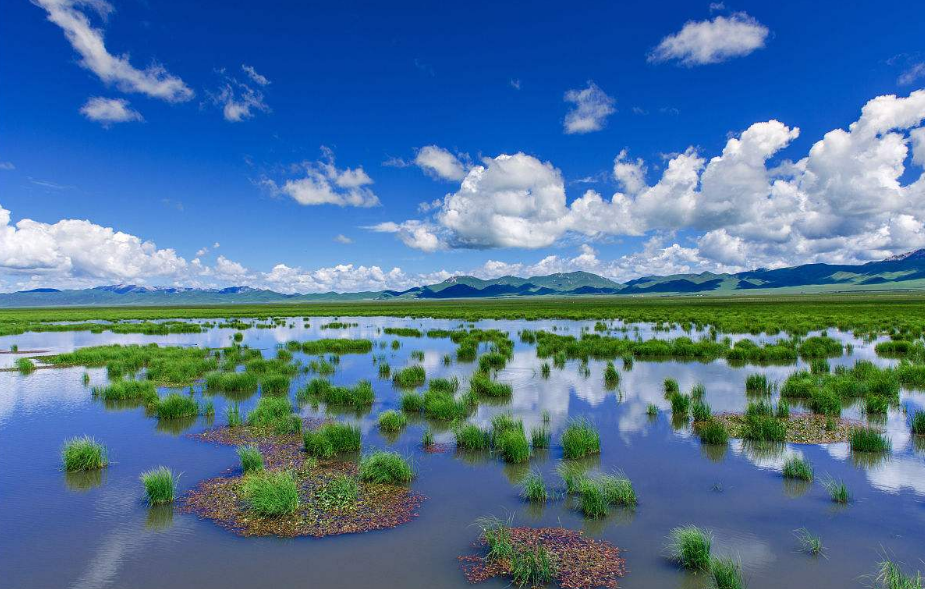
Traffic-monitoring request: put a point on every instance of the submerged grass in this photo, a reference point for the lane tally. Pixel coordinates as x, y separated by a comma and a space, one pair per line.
392, 421
809, 542
533, 488
160, 485
690, 547
868, 439
798, 468
83, 453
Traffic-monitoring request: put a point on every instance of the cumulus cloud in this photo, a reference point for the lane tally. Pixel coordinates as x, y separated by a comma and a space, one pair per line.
325, 183
107, 111
415, 234
845, 201
341, 238
441, 163
88, 42
591, 109
712, 41
238, 100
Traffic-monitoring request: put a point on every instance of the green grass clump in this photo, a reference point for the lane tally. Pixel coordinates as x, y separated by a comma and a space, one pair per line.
868, 439
797, 468
83, 453
251, 459
385, 371
127, 390
700, 411
275, 413
410, 377
764, 428
337, 346
611, 376
680, 404
652, 410
540, 437
385, 468
471, 437
596, 495
358, 396
591, 499
671, 387
712, 432
758, 384
443, 406
545, 370
411, 403
891, 576
572, 475
392, 421
532, 567
837, 490
618, 489
176, 406
25, 365
726, 573
809, 542
427, 438
444, 385
231, 381
339, 493
918, 423
160, 485
533, 488
690, 547
497, 536
271, 493
580, 439
512, 445
233, 415
481, 384
273, 384
331, 439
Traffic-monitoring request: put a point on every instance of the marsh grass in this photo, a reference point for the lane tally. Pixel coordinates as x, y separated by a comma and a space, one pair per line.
339, 493
234, 416
411, 402
471, 437
409, 377
809, 542
82, 454
160, 485
760, 427
25, 366
512, 445
712, 432
680, 404
652, 410
572, 475
532, 567
271, 493
392, 421
273, 384
758, 384
251, 459
331, 439
891, 576
385, 371
798, 468
611, 376
690, 547
540, 437
868, 439
427, 439
358, 396
545, 370
275, 413
917, 425
386, 468
700, 411
580, 439
482, 385
533, 488
127, 390
837, 490
497, 536
176, 406
671, 387
726, 573
232, 381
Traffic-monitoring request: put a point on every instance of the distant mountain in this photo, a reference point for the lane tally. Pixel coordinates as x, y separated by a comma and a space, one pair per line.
905, 271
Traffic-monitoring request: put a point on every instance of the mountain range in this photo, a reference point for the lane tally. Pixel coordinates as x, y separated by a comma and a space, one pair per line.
902, 272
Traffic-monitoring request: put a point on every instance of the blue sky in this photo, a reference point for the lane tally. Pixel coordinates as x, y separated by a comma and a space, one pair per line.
135, 136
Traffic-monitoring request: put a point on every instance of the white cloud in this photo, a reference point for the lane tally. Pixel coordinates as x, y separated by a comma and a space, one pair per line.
712, 41
515, 83
87, 41
7, 166
844, 202
325, 183
441, 163
915, 72
238, 100
592, 107
254, 76
109, 110
341, 238
415, 234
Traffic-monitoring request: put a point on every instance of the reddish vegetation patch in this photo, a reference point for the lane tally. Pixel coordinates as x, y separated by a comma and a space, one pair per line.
220, 500
582, 563
437, 448
802, 428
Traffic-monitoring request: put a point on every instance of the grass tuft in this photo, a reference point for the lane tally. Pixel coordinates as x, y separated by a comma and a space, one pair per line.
690, 547
726, 573
392, 421
251, 459
385, 468
534, 489
868, 439
83, 453
797, 468
160, 485
580, 439
271, 493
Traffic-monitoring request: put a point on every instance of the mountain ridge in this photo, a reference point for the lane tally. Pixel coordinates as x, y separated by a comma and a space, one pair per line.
903, 271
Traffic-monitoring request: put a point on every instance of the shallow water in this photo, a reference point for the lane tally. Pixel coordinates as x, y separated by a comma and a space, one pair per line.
96, 531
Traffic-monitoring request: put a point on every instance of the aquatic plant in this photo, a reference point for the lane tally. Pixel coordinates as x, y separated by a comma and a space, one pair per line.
409, 377
337, 346
758, 384
764, 428
276, 414
271, 493
652, 410
680, 404
127, 390
233, 415
481, 384
83, 453
726, 573
533, 488
392, 421
918, 423
385, 468
512, 445
540, 437
545, 370
690, 547
385, 371
358, 396
868, 439
427, 439
611, 376
25, 365
532, 567
837, 490
671, 387
251, 458
471, 437
580, 439
331, 439
712, 432
175, 406
798, 468
809, 542
700, 411
891, 576
411, 402
160, 485
338, 493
